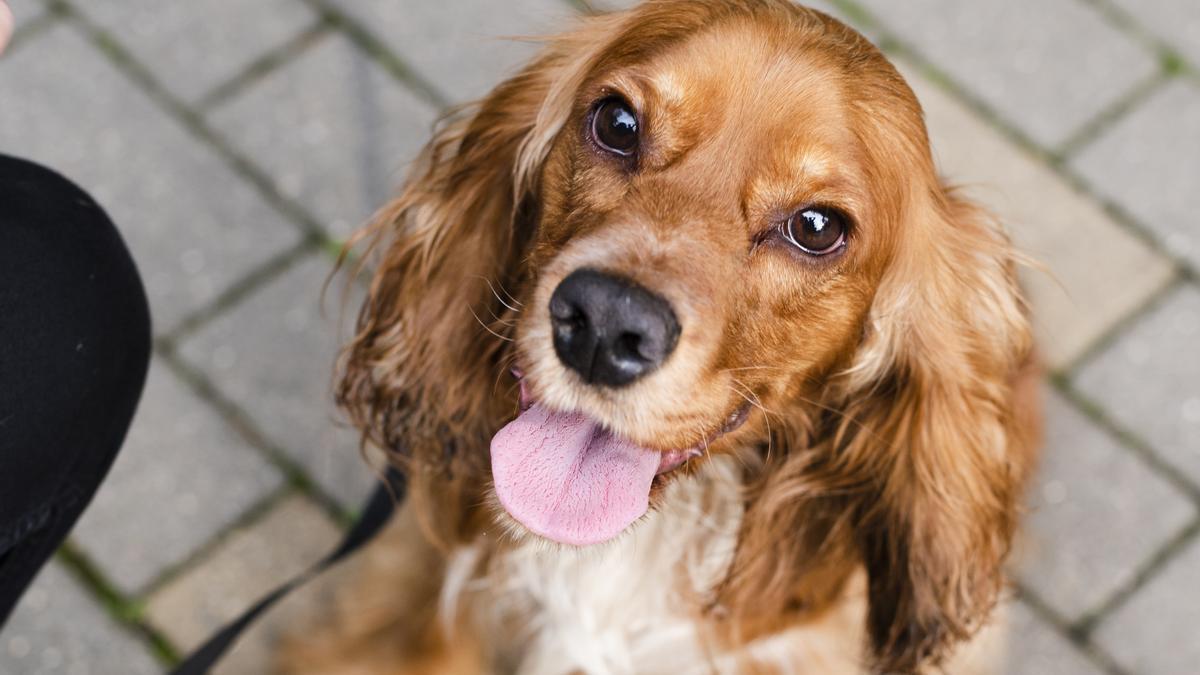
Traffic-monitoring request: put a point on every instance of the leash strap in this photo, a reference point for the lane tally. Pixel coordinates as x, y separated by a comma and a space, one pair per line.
378, 511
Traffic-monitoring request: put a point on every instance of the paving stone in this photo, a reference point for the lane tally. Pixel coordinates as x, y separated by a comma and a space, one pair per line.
24, 11
1148, 381
1046, 66
1154, 633
56, 628
1097, 272
182, 477
250, 562
822, 5
464, 47
333, 130
273, 356
1097, 513
1037, 648
192, 47
192, 224
1177, 21
1148, 164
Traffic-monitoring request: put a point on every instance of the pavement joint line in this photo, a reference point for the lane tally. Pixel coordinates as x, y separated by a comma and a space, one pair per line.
1151, 566
263, 66
254, 514
126, 613
192, 121
244, 424
583, 7
1136, 445
1104, 120
1128, 221
1119, 18
248, 284
1082, 643
377, 49
1123, 325
1149, 570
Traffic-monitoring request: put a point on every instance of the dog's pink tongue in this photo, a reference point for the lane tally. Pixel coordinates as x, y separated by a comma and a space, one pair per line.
565, 478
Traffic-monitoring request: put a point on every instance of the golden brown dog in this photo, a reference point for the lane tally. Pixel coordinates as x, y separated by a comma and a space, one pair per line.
773, 401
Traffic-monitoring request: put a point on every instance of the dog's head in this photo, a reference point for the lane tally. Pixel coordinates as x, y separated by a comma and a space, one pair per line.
697, 228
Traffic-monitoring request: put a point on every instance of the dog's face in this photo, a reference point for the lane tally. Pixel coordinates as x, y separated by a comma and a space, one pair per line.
708, 244
707, 226
708, 241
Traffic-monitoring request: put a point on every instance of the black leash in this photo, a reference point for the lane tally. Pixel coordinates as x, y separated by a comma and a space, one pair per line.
376, 514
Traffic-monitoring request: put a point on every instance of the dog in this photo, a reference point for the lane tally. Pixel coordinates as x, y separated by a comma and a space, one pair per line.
694, 365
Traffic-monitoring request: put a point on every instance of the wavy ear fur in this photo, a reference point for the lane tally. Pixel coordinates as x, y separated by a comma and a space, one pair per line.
420, 374
914, 463
942, 390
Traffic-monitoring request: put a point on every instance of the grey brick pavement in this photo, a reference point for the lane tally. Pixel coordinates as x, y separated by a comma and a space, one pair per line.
231, 140
332, 129
192, 47
1147, 384
58, 629
183, 476
1155, 632
1149, 165
182, 210
272, 356
1047, 66
1176, 23
1092, 492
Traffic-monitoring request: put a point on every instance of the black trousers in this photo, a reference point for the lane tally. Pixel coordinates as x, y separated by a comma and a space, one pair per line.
74, 348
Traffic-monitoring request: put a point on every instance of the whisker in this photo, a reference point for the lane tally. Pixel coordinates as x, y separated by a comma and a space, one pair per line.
738, 370
502, 301
704, 442
505, 367
504, 322
487, 327
757, 402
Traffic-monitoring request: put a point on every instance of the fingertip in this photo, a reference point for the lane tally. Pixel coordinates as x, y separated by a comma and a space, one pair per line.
6, 24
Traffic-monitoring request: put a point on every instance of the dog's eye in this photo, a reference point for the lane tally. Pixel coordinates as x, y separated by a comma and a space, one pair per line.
615, 127
816, 231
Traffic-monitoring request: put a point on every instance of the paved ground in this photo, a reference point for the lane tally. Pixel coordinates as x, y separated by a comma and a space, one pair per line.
234, 141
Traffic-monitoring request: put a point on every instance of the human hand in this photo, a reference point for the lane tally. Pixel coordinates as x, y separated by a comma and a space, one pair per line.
6, 24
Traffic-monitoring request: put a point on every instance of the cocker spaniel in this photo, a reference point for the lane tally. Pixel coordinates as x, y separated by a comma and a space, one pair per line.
694, 364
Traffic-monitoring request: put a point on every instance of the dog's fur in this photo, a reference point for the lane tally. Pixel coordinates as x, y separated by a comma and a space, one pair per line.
858, 522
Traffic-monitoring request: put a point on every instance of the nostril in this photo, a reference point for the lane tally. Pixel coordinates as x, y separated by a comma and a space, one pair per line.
629, 346
567, 316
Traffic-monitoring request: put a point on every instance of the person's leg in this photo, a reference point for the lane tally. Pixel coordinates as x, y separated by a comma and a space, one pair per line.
74, 349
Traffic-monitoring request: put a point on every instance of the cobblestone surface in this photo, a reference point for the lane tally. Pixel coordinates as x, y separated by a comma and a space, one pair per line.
1148, 163
229, 139
183, 476
58, 628
332, 129
284, 542
192, 47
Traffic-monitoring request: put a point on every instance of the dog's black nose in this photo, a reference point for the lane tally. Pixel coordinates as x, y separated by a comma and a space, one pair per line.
609, 330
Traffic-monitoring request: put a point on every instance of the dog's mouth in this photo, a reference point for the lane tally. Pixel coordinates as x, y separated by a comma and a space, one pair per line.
567, 478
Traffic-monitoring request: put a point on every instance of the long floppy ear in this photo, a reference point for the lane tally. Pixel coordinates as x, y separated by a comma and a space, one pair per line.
420, 375
913, 461
937, 406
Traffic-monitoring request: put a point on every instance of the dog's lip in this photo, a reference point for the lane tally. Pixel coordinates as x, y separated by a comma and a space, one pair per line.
671, 459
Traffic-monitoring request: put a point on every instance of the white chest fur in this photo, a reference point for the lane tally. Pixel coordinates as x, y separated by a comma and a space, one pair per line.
629, 606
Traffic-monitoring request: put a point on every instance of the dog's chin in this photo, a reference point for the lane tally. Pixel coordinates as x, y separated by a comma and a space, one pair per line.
565, 476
